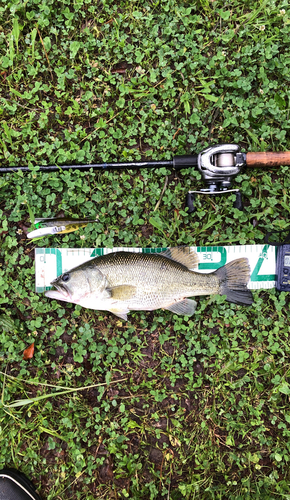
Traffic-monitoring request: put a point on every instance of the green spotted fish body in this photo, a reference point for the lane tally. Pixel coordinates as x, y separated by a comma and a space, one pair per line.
126, 281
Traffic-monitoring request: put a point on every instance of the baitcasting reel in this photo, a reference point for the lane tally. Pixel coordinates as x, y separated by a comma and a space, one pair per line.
218, 165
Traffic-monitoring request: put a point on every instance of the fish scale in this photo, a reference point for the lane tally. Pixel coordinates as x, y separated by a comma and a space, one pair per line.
166, 280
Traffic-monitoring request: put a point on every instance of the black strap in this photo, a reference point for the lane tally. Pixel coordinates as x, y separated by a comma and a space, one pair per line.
277, 243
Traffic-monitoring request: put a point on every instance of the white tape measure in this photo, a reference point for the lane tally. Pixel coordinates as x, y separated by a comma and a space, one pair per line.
52, 262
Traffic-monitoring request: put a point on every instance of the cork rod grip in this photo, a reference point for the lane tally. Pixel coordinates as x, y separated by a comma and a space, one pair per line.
268, 159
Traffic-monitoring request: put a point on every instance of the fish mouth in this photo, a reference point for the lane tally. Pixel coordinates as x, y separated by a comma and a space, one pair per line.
61, 292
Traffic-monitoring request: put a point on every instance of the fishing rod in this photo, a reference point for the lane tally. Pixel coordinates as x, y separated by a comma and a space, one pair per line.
217, 164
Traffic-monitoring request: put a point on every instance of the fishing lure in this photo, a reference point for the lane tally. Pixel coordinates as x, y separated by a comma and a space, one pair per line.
60, 225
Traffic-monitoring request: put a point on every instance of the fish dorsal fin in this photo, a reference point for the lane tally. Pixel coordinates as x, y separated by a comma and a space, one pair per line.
122, 292
183, 255
186, 307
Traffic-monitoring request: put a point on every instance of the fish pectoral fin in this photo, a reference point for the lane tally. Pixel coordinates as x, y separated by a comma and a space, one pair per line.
185, 306
122, 292
183, 255
121, 313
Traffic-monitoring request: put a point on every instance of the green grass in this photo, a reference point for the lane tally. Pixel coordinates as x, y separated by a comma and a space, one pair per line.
163, 406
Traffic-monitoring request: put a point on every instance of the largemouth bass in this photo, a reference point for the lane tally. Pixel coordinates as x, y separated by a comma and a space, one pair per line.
121, 282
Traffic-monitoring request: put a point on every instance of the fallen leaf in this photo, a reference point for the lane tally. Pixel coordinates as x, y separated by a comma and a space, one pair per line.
174, 441
28, 353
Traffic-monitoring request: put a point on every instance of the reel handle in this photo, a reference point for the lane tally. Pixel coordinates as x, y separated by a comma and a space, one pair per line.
268, 159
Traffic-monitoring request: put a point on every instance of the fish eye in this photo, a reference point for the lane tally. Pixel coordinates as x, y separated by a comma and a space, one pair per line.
65, 277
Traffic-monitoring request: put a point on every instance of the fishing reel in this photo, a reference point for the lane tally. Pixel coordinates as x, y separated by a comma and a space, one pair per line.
218, 165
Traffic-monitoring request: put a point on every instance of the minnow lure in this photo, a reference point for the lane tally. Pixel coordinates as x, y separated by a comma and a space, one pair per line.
60, 225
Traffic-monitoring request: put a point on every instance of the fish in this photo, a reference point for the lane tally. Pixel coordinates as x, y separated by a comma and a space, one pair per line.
122, 281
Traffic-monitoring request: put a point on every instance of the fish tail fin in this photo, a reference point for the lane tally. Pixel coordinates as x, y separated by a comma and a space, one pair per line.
234, 277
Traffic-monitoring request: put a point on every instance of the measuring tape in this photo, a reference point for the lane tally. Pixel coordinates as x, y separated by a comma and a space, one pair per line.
52, 262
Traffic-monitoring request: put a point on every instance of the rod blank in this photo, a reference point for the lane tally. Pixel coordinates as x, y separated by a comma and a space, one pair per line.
99, 166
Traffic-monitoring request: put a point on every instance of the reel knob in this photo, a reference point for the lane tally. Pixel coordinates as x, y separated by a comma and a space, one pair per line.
189, 203
239, 202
